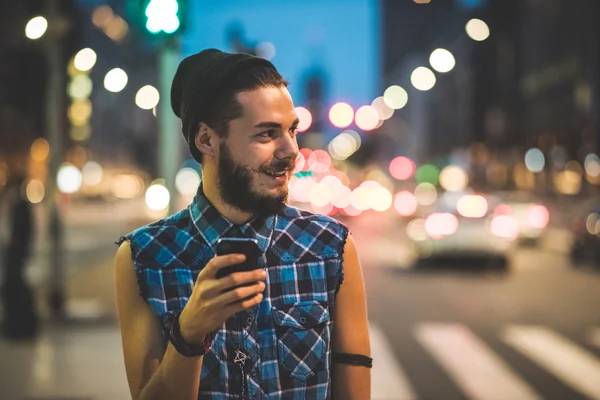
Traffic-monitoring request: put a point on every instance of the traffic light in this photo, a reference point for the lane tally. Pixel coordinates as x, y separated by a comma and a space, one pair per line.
158, 17
162, 15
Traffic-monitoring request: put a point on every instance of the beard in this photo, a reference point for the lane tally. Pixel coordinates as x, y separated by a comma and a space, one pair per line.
235, 181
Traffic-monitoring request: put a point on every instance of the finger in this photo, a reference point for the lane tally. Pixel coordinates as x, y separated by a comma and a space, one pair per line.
240, 278
218, 262
239, 294
243, 305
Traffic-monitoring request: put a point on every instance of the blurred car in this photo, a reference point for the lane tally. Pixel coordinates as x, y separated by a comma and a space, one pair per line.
466, 232
532, 216
585, 229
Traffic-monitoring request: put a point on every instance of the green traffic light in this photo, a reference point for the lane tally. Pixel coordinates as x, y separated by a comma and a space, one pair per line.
162, 16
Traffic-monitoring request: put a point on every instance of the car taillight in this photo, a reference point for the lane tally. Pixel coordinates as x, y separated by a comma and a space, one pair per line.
505, 226
538, 216
438, 225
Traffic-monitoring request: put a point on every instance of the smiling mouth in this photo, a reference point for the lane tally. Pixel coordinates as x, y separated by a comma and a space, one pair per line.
275, 174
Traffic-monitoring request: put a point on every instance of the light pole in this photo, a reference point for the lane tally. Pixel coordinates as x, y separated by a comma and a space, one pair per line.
54, 107
168, 125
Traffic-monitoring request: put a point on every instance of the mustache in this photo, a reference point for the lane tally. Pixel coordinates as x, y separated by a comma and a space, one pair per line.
279, 166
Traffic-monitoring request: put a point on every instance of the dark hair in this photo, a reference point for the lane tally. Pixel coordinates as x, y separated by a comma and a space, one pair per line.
226, 107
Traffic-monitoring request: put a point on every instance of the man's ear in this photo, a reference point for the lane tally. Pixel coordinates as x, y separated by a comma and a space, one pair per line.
206, 140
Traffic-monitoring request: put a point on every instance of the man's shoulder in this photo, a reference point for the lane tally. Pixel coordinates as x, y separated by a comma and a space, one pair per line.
163, 242
178, 221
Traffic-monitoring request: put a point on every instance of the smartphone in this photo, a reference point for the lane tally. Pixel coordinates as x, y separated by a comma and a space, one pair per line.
245, 246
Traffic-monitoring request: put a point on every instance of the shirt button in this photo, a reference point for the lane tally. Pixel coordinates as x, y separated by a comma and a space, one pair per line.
303, 320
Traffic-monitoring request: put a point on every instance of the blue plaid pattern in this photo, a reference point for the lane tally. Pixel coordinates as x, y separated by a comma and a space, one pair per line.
287, 337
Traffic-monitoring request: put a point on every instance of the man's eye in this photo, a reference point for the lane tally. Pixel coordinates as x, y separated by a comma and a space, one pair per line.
268, 134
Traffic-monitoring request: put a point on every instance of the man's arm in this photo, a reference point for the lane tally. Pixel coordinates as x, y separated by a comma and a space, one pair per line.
152, 372
157, 373
350, 331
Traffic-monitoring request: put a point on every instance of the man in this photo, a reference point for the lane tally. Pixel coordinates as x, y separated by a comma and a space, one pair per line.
294, 331
21, 319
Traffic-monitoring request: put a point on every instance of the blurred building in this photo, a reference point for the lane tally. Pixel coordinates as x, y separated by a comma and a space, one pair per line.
533, 82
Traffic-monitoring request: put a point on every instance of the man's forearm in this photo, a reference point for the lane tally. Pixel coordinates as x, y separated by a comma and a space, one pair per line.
177, 377
351, 382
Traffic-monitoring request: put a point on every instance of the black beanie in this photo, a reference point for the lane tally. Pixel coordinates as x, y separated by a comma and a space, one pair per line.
197, 82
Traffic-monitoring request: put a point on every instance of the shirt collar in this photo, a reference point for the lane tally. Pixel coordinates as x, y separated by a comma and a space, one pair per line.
212, 225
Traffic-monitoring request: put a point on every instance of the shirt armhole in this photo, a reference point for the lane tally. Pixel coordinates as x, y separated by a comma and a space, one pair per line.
340, 272
135, 252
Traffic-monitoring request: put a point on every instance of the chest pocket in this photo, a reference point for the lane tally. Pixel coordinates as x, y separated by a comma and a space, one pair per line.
303, 331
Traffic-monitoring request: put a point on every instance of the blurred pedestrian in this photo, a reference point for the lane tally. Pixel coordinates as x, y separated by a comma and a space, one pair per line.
20, 317
290, 329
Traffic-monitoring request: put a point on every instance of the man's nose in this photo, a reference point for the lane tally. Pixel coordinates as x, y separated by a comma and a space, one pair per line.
288, 148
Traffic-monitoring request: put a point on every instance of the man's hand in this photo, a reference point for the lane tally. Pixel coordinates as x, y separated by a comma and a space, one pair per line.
213, 300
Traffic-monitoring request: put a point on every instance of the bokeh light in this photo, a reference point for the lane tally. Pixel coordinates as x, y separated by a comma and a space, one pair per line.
319, 161
453, 178
592, 165
472, 206
538, 216
35, 191
187, 181
157, 197
383, 110
405, 203
505, 226
266, 50
341, 115
80, 87
534, 160
402, 168
300, 162
147, 97
85, 59
305, 118
427, 173
92, 173
426, 194
80, 111
36, 27
477, 30
300, 189
380, 199
422, 78
367, 118
341, 198
442, 60
360, 198
40, 149
439, 225
115, 80
319, 195
415, 230
124, 186
395, 97
69, 178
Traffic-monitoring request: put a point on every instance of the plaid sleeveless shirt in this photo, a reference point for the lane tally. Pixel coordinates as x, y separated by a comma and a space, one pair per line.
285, 341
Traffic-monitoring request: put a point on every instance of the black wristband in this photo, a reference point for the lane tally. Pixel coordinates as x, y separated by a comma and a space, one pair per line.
173, 334
353, 359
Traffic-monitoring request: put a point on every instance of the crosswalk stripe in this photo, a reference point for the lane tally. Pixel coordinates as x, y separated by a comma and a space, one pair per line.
471, 363
594, 337
565, 359
388, 380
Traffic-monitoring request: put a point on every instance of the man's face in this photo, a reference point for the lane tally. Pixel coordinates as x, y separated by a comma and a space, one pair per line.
257, 157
